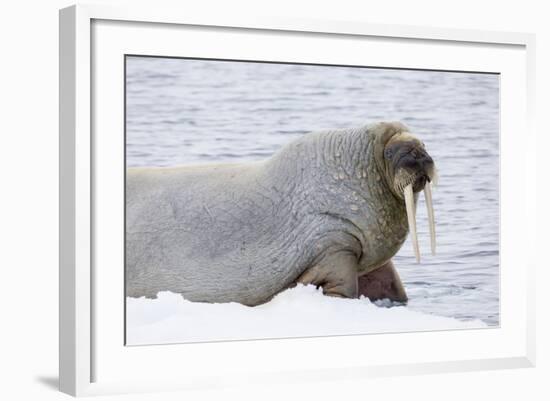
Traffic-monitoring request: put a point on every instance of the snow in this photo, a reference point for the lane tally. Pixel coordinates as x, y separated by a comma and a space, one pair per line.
302, 311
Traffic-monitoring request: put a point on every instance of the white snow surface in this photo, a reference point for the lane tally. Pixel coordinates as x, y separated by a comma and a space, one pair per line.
302, 311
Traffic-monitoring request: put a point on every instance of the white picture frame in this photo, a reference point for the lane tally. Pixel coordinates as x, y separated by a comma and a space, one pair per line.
93, 359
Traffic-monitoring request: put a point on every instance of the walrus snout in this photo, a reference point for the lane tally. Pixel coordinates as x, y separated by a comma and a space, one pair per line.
413, 159
416, 169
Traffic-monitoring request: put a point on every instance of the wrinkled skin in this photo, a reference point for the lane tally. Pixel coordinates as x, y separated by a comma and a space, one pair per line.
325, 210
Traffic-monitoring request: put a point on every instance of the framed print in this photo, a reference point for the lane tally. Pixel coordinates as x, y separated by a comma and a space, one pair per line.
313, 185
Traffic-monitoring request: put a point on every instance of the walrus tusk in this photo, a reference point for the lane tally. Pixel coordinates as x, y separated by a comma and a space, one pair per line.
411, 217
431, 219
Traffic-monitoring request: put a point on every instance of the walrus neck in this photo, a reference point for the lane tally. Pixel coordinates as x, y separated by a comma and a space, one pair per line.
356, 175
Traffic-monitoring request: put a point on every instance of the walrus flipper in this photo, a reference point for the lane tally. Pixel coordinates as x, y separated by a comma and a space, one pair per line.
335, 273
383, 283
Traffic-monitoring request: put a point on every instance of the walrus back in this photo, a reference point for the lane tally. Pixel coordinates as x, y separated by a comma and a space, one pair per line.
197, 231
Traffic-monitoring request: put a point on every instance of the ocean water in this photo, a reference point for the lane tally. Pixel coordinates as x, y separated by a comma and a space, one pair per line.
181, 111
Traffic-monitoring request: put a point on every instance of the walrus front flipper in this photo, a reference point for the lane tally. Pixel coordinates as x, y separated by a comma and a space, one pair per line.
384, 282
335, 273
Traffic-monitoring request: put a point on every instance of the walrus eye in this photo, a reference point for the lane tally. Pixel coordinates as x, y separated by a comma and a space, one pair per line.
388, 153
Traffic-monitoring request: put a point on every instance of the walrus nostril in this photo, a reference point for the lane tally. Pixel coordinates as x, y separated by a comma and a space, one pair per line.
427, 161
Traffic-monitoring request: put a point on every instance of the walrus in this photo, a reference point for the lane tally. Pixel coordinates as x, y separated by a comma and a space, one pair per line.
329, 209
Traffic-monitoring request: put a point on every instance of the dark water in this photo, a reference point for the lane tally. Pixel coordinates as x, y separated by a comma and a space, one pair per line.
190, 111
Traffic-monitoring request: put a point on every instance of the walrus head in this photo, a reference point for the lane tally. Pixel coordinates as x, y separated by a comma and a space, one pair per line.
409, 169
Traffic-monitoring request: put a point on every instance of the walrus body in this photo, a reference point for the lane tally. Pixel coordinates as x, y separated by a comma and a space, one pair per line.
322, 211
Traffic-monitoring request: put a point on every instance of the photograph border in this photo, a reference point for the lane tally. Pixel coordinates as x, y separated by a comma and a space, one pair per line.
244, 61
76, 277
